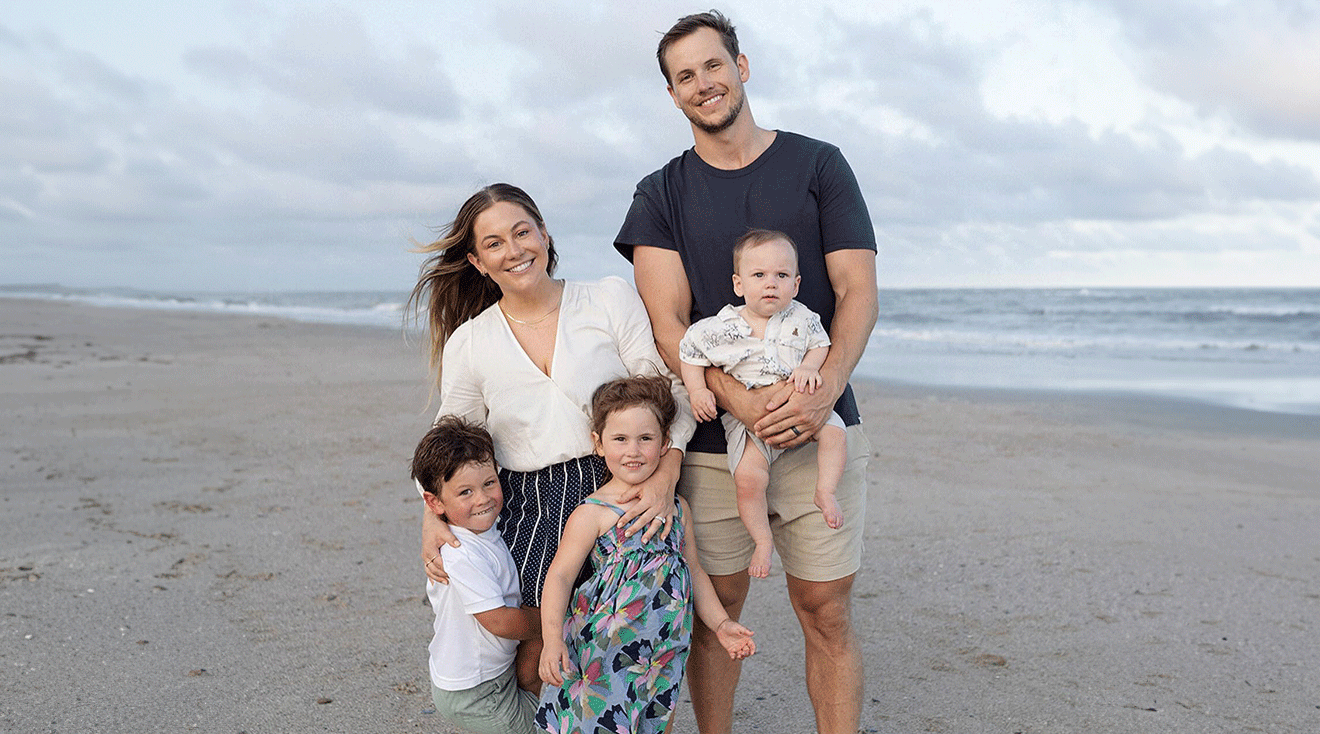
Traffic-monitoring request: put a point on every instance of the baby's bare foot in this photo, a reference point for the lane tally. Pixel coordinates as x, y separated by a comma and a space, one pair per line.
830, 508
760, 566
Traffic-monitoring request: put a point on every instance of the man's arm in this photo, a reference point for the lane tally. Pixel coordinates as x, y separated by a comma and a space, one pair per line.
663, 286
856, 307
747, 405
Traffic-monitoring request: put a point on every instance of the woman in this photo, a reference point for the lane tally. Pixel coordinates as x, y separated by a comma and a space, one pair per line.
521, 353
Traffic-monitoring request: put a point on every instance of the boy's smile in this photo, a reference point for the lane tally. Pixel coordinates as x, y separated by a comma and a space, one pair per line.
472, 498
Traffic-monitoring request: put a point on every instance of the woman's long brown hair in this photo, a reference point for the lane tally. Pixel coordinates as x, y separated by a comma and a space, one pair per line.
448, 286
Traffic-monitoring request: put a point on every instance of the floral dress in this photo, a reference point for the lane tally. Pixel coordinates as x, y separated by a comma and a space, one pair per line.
627, 632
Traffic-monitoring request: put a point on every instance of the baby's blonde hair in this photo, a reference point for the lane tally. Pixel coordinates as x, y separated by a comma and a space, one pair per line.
757, 237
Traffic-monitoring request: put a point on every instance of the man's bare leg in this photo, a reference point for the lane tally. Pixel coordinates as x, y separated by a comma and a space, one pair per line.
712, 676
833, 657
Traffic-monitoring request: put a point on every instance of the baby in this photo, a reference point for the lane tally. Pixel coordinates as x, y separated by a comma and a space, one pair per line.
771, 338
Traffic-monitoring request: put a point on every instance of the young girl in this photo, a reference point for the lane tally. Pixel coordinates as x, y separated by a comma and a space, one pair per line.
617, 662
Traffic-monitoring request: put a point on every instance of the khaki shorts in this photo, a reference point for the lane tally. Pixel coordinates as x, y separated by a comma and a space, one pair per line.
808, 548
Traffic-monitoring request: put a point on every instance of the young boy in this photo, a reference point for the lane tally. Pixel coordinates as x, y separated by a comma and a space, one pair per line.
771, 338
477, 617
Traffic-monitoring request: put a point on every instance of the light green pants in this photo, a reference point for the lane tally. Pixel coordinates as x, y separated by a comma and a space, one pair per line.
497, 706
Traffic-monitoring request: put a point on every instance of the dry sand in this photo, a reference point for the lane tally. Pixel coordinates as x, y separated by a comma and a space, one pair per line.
208, 525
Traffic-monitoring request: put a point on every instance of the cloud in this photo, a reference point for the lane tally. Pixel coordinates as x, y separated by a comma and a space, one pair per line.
1256, 62
933, 157
304, 149
326, 59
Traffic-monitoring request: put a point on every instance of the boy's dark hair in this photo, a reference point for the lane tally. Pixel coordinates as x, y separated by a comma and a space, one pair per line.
653, 392
756, 237
690, 24
450, 444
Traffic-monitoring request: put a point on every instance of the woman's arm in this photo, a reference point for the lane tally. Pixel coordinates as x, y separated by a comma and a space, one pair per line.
435, 533
655, 498
735, 638
460, 394
580, 533
637, 350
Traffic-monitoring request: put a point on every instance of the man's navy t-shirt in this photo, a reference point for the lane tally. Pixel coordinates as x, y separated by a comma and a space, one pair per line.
798, 186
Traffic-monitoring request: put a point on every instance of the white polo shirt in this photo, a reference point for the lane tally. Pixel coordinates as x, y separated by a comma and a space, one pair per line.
481, 578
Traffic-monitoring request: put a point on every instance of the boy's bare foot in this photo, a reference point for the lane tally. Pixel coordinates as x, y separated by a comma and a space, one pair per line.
830, 508
760, 565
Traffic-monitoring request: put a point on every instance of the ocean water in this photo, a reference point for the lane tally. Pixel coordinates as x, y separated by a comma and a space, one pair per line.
1257, 349
1248, 348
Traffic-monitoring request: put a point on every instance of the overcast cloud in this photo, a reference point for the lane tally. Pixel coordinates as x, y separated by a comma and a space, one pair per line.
233, 145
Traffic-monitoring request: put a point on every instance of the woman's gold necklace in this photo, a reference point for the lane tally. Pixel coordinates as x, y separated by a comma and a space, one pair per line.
532, 322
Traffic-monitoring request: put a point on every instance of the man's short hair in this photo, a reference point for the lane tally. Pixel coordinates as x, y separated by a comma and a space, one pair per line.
690, 24
755, 237
446, 448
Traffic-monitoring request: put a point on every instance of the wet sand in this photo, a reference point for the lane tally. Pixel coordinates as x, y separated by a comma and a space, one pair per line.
208, 525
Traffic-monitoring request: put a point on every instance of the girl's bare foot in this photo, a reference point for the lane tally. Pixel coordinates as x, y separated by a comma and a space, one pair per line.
830, 508
760, 565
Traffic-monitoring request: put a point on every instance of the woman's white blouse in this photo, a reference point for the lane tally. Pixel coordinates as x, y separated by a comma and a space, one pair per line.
538, 420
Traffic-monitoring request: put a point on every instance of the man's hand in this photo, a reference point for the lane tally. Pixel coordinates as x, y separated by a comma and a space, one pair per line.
794, 417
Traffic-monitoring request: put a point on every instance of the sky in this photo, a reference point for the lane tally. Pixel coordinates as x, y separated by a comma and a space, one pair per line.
249, 145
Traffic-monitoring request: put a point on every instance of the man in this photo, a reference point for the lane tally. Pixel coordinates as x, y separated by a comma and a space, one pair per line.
679, 234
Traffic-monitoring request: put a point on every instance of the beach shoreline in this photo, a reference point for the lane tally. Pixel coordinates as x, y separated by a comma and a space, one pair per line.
1252, 348
209, 526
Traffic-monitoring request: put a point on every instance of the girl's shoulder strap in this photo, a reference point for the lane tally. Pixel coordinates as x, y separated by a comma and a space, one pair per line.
603, 503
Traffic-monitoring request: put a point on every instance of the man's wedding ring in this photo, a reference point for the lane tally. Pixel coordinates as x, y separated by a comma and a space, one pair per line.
795, 430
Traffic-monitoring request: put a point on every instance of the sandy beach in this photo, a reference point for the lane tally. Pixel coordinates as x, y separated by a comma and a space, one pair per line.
208, 526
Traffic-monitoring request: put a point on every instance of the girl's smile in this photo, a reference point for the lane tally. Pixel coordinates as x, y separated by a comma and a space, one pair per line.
632, 443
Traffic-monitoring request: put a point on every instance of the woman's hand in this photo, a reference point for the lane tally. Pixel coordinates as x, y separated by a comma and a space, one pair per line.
654, 510
435, 533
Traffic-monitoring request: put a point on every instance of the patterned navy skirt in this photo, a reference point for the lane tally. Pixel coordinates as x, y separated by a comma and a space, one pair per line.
536, 506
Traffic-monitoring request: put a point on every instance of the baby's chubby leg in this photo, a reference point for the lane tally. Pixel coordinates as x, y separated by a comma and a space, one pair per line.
751, 477
831, 459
